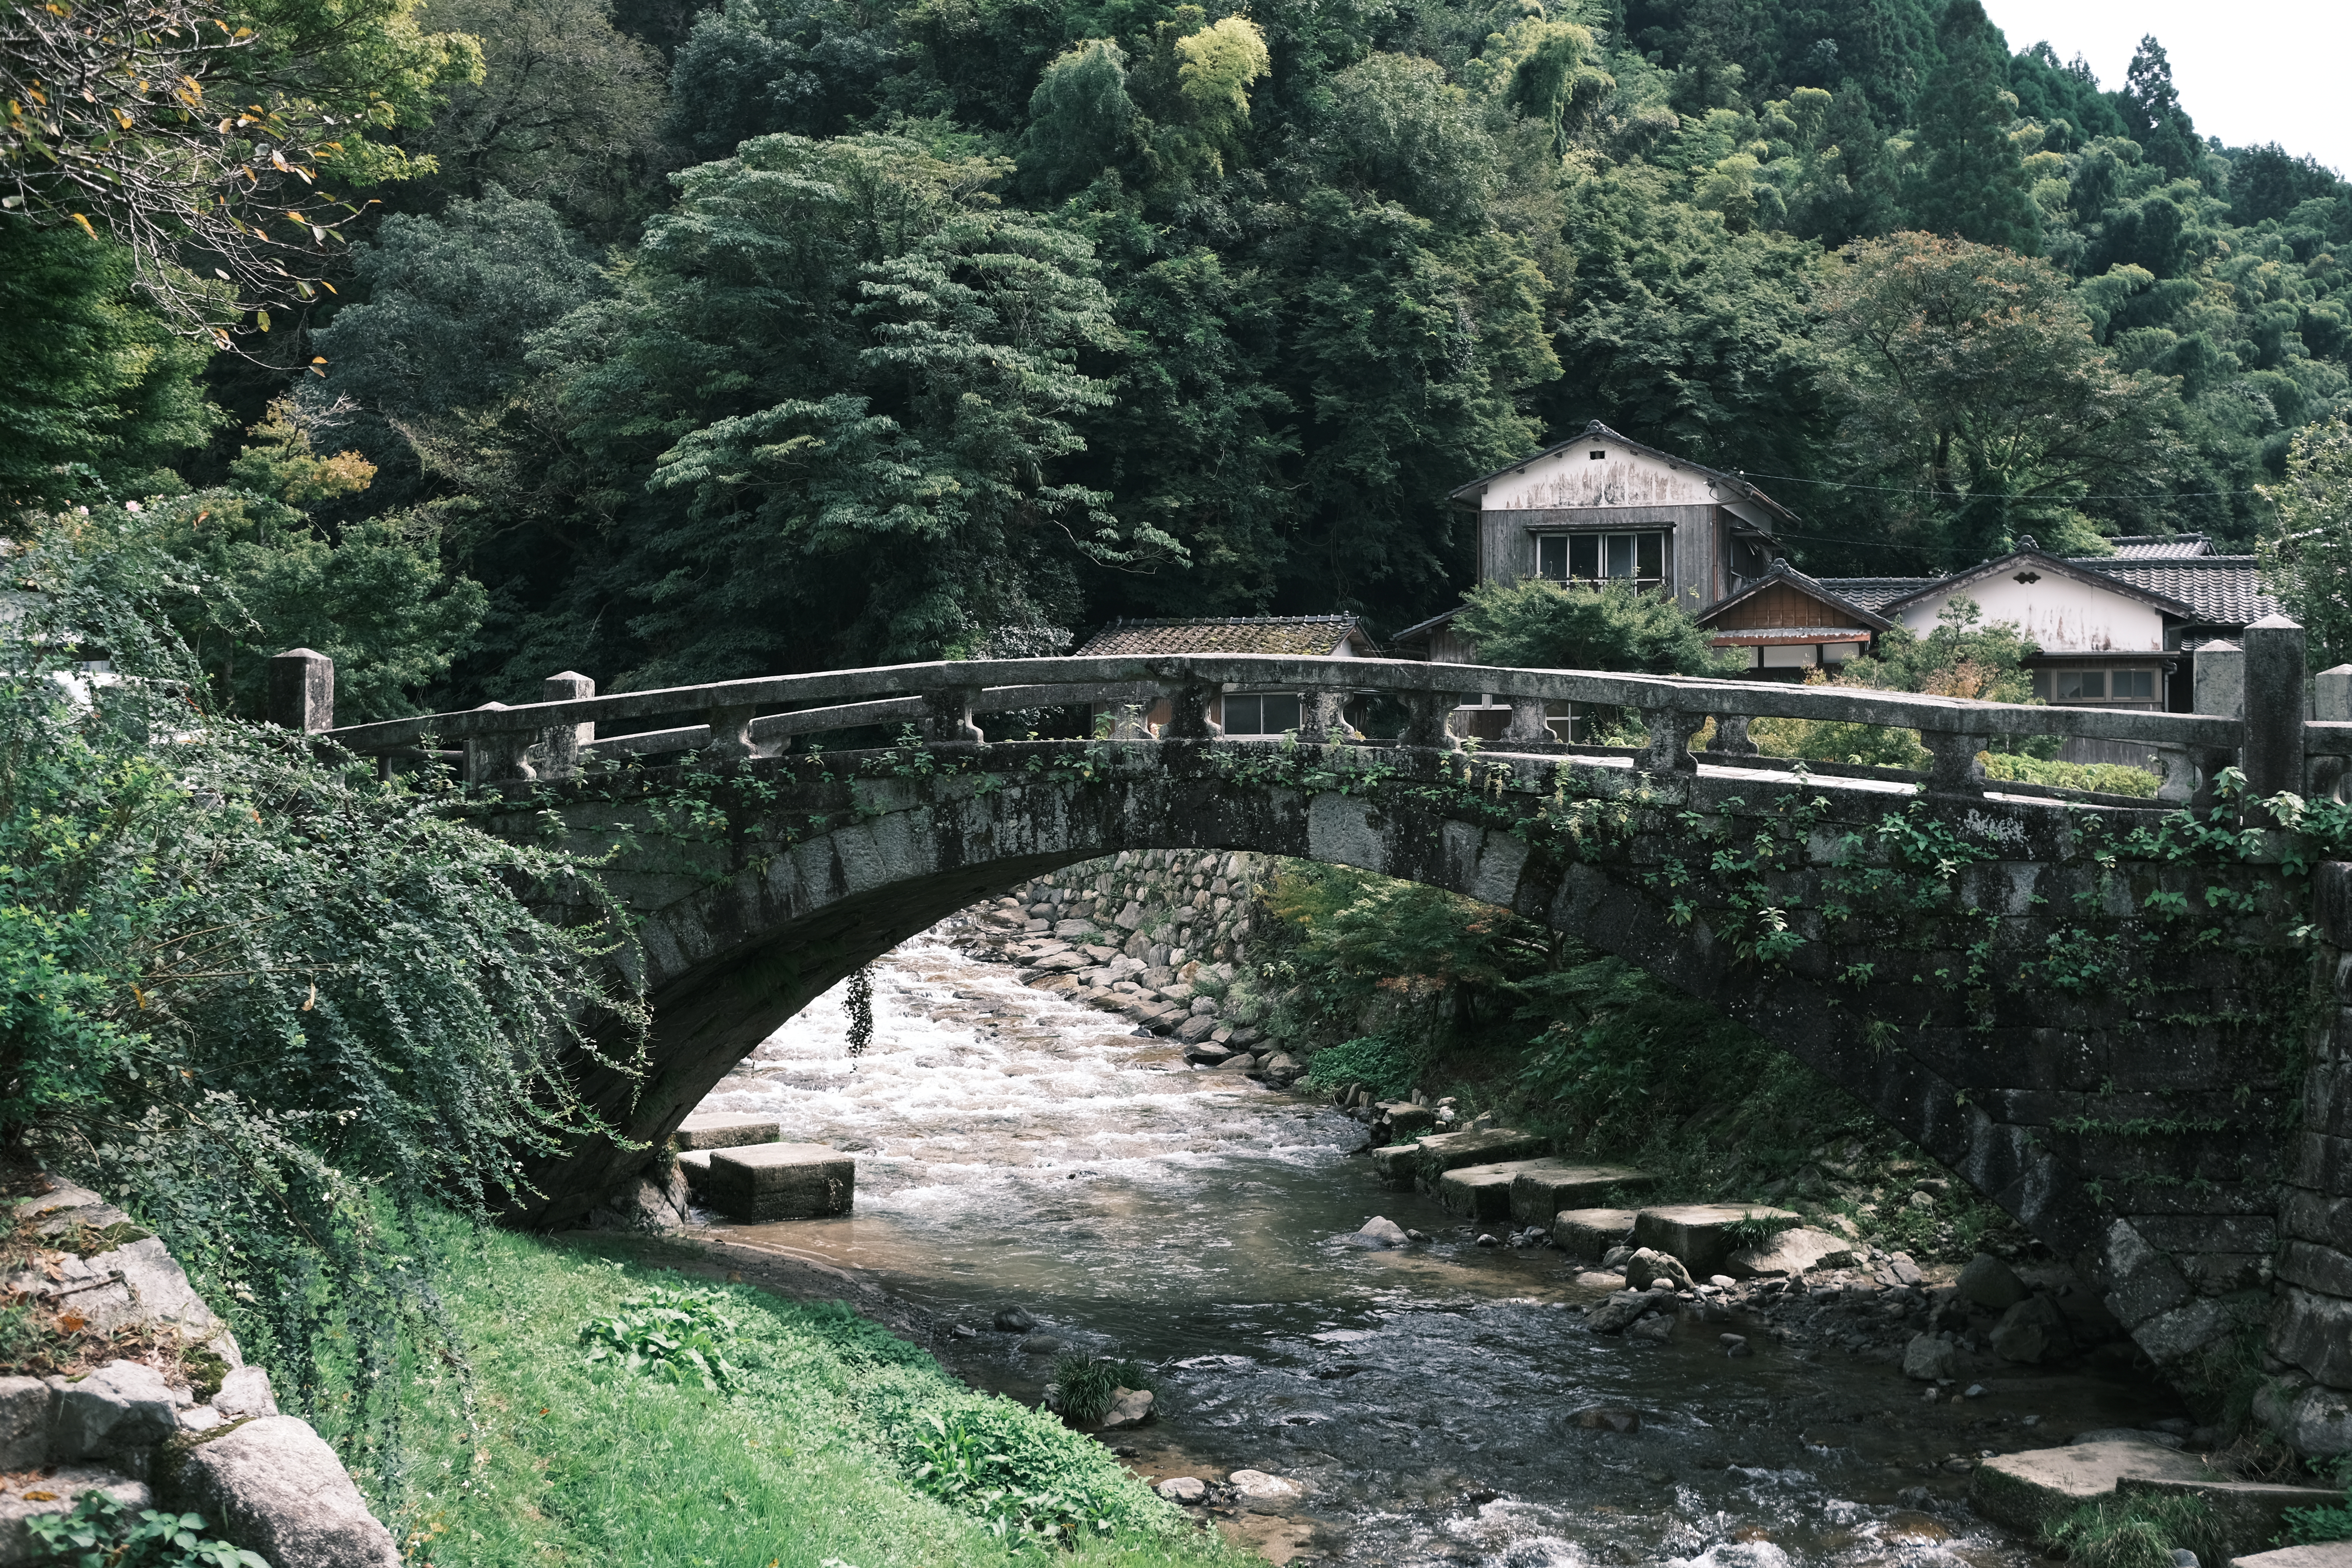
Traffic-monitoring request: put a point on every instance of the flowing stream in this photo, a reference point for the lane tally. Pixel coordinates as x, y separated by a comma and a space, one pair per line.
1441, 1404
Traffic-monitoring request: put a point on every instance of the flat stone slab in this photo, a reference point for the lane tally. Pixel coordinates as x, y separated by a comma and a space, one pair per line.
1793, 1251
1395, 1165
1587, 1233
695, 1163
1450, 1151
726, 1130
2249, 1511
2326, 1554
1701, 1235
1542, 1190
1482, 1191
782, 1181
2025, 1491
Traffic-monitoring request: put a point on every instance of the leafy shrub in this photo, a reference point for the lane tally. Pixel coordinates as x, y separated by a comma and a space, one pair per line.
2137, 1532
1085, 1386
101, 1533
2106, 778
674, 1335
1024, 1474
856, 1339
1385, 1063
2309, 1526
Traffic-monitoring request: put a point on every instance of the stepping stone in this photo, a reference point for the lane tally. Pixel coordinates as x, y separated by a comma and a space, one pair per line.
1395, 1165
1543, 1189
2248, 1512
1450, 1151
2023, 1492
725, 1129
1701, 1235
1482, 1191
695, 1163
2324, 1554
782, 1181
1587, 1234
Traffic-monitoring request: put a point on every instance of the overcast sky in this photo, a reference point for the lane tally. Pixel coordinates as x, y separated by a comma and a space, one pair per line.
2248, 71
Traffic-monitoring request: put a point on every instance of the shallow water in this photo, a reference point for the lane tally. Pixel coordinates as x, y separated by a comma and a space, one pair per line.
1017, 1149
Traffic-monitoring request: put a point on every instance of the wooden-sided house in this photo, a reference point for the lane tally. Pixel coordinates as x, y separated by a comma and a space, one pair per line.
1241, 710
1786, 624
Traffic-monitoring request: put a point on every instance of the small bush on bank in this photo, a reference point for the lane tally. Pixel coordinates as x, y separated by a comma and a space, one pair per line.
2139, 1531
1088, 1385
2106, 778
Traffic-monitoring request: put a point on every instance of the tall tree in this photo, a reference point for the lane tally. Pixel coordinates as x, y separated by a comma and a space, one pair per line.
1970, 180
2152, 114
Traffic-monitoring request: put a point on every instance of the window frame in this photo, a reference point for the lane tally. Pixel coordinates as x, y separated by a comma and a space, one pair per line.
1585, 555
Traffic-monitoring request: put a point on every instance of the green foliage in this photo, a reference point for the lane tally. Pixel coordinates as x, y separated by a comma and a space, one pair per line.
1971, 184
1086, 1385
102, 1533
1541, 625
1390, 1065
2307, 554
268, 1004
676, 1336
2309, 1526
2139, 1531
2102, 778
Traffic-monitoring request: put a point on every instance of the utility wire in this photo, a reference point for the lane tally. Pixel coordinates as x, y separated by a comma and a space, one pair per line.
1923, 491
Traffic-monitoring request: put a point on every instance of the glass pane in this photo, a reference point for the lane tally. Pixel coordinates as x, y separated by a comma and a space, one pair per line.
2135, 686
1280, 713
2081, 685
1621, 555
1552, 556
1241, 716
1584, 555
1650, 557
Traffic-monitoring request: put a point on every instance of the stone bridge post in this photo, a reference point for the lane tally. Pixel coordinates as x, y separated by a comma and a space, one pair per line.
2309, 1399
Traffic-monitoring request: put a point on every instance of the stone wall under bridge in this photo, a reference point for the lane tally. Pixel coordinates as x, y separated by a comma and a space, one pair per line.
2134, 1113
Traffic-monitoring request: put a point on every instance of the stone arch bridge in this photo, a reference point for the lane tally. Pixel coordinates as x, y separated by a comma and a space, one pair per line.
2113, 1020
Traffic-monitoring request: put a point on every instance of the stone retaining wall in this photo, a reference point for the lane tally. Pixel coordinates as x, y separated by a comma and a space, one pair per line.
181, 1422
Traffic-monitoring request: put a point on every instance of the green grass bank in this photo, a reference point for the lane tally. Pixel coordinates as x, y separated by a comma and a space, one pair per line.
822, 1449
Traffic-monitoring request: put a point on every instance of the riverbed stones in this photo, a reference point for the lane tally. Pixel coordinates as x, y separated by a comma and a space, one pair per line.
1013, 1320
1182, 1489
1990, 1283
782, 1181
1623, 1309
2031, 1332
1797, 1250
1262, 1493
1283, 1069
1543, 1188
1405, 1121
1703, 1235
1377, 1233
2023, 1492
1648, 1266
1129, 1407
273, 1486
1656, 1328
1929, 1358
1588, 1233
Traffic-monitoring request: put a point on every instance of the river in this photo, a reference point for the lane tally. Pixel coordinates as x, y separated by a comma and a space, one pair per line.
1437, 1404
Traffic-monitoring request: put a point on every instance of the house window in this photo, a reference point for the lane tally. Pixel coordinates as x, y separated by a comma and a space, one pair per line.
2132, 686
1598, 557
2080, 686
1261, 714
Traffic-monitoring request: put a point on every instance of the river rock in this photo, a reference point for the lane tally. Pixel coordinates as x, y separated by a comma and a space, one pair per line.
1205, 1053
24, 1423
1788, 1252
1240, 1061
1930, 1359
725, 1129
1609, 1419
1129, 1407
1990, 1283
2031, 1332
1589, 1233
1622, 1310
1378, 1232
1544, 1188
1480, 1192
1262, 1493
1478, 1146
123, 1404
1013, 1320
1648, 1266
1657, 1330
1182, 1489
1284, 1069
1405, 1119
1702, 1235
2025, 1491
1197, 1028
274, 1487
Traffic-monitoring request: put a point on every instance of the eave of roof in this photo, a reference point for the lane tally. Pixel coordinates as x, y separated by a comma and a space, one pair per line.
1747, 490
2088, 577
1784, 575
1310, 634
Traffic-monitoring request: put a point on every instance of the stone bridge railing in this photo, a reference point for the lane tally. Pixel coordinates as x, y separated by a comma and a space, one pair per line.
2255, 720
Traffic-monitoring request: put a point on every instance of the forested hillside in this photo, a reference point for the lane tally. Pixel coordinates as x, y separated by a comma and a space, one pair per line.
788, 334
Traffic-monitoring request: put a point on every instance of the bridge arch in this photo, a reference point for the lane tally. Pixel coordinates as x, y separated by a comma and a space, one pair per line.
822, 866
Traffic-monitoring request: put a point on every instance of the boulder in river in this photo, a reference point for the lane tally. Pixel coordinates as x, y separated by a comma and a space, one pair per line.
1182, 1489
1621, 1311
1129, 1407
1014, 1321
1657, 1328
1044, 1344
2031, 1332
1648, 1266
1990, 1283
1930, 1359
1205, 1053
1262, 1493
1282, 1068
1609, 1419
1378, 1232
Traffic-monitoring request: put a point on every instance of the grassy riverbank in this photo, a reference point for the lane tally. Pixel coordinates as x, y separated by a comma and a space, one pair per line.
542, 1457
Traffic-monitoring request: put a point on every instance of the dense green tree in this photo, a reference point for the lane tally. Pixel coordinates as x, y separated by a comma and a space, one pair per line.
96, 390
2152, 115
1536, 624
2307, 550
749, 68
1970, 180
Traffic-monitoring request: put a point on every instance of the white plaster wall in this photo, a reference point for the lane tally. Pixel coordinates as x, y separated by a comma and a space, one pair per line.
2061, 614
1571, 478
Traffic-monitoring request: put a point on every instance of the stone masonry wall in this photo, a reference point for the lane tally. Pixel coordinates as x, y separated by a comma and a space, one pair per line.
2309, 1399
1161, 936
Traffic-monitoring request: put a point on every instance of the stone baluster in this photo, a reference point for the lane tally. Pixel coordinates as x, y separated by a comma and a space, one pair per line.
1671, 729
946, 717
1731, 735
1427, 720
1528, 726
1323, 717
560, 744
2331, 703
730, 733
1952, 766
501, 757
2274, 707
2218, 679
1188, 712
300, 692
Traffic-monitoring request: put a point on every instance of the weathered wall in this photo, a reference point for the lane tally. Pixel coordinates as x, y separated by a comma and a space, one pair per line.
2310, 1399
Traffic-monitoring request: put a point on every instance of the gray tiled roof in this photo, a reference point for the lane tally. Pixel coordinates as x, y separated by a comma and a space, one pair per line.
2225, 590
1313, 635
1875, 593
2153, 547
